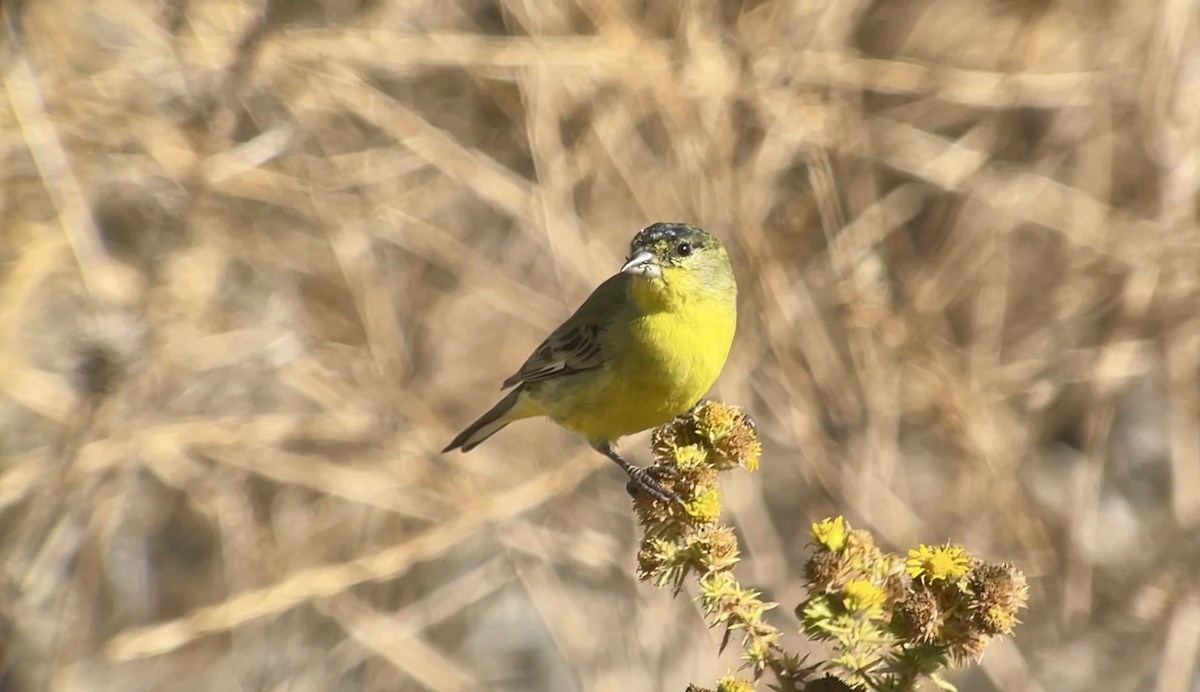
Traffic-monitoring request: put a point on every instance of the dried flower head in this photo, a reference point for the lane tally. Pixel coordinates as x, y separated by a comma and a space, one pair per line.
919, 618
724, 434
998, 592
822, 569
892, 621
688, 539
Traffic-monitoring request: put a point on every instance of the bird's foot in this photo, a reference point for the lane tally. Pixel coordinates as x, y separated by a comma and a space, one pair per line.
643, 479
648, 479
690, 414
750, 423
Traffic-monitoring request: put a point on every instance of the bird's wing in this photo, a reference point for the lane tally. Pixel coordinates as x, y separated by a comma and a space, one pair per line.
577, 345
565, 352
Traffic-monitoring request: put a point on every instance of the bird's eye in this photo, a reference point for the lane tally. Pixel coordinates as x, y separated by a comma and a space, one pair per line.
683, 249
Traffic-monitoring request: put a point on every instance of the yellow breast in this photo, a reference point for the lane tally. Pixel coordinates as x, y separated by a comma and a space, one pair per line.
663, 355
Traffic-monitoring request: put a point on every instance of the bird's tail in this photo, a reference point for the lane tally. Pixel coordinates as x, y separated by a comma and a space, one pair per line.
507, 410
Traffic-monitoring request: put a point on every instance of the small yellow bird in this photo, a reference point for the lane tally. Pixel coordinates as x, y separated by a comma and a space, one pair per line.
641, 350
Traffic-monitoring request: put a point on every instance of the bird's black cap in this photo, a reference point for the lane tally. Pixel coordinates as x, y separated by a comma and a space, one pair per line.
668, 232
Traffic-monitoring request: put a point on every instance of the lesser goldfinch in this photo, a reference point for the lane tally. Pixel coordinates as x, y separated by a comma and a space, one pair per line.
641, 350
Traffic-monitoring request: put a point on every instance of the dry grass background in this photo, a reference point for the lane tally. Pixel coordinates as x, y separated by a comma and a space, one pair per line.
260, 259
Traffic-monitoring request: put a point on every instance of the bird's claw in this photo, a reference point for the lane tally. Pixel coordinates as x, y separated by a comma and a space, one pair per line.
649, 480
690, 415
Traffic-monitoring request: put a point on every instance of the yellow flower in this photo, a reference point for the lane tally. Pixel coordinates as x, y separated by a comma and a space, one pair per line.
862, 596
946, 562
731, 683
705, 506
830, 533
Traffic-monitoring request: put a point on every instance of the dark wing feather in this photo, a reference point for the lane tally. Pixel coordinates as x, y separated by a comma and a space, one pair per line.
566, 352
578, 344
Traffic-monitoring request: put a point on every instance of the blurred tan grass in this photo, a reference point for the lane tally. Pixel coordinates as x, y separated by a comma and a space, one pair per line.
258, 261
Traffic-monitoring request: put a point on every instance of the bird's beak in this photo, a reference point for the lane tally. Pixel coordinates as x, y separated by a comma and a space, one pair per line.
643, 263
